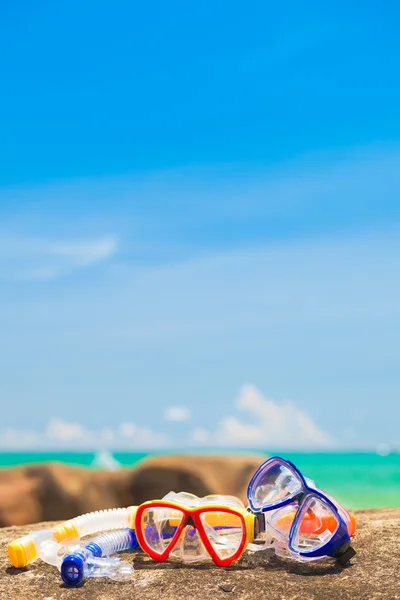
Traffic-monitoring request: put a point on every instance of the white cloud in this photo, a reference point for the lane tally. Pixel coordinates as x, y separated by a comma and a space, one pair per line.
17, 439
42, 259
63, 431
201, 436
266, 424
141, 437
177, 413
65, 434
128, 430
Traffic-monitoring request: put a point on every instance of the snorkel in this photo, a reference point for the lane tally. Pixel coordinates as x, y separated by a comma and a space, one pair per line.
44, 543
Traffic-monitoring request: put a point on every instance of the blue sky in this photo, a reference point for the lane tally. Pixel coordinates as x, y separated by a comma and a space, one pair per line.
199, 225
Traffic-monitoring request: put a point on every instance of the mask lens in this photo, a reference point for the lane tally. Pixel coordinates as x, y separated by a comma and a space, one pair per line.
225, 532
315, 527
281, 520
159, 526
275, 482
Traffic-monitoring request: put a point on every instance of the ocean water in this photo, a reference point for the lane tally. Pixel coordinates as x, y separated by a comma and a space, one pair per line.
357, 479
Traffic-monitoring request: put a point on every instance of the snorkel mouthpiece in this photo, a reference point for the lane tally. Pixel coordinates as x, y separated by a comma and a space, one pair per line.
72, 569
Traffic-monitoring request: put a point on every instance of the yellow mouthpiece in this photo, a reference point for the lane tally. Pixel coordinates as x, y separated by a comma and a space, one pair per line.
22, 552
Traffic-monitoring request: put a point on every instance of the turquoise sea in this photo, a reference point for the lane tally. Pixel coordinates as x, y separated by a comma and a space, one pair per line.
357, 479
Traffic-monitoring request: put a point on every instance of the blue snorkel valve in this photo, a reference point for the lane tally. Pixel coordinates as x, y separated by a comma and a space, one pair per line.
73, 568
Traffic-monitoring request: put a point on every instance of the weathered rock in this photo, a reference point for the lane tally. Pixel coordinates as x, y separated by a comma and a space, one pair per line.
373, 574
199, 474
56, 491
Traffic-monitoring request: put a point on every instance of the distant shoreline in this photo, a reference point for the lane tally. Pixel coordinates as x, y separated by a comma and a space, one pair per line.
359, 479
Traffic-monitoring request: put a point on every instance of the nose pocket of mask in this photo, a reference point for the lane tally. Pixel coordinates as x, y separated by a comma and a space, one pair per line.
190, 548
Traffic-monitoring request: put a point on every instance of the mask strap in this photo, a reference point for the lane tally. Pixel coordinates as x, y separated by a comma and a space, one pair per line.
345, 553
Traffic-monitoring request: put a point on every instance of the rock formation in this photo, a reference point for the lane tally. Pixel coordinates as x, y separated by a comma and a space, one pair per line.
56, 491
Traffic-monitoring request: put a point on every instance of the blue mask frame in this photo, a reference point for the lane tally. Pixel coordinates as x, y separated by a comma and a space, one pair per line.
337, 545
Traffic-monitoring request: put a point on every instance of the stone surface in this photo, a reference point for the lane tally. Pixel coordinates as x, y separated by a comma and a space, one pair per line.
53, 491
373, 575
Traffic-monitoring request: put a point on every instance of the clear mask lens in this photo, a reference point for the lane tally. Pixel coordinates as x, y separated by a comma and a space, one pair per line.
316, 525
280, 521
224, 530
276, 482
159, 526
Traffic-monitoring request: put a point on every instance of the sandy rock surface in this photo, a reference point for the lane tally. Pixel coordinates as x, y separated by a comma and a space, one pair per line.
55, 491
373, 575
